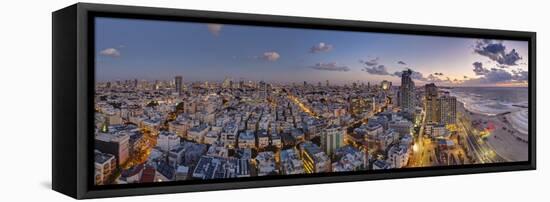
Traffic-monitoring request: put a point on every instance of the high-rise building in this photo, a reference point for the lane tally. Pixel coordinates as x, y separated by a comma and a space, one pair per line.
373, 104
179, 82
447, 109
431, 90
332, 139
386, 85
398, 96
439, 109
241, 84
407, 91
431, 104
227, 82
157, 85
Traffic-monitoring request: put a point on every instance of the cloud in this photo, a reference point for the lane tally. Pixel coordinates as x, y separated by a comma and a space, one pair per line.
414, 75
271, 56
373, 67
111, 52
331, 66
497, 52
370, 63
496, 75
520, 75
432, 78
321, 47
376, 70
418, 76
488, 76
215, 29
492, 76
478, 69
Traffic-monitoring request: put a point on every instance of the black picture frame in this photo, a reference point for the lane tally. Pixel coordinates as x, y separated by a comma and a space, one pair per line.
73, 92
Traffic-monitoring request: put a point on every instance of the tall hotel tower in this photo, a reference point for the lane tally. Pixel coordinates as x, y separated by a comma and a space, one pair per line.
178, 80
407, 91
431, 104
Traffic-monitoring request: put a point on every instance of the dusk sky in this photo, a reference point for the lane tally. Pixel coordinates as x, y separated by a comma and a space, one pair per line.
160, 50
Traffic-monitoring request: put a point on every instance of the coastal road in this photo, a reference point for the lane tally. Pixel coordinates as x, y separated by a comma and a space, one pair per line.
482, 152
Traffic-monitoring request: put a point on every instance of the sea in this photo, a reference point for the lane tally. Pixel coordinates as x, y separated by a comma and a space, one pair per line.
492, 100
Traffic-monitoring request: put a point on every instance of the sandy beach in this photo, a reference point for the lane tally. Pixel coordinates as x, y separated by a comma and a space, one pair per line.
506, 140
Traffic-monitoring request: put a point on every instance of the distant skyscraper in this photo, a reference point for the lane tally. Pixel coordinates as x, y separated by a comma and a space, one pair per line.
263, 89
386, 85
374, 104
431, 103
227, 82
157, 85
407, 91
241, 84
332, 139
328, 84
179, 82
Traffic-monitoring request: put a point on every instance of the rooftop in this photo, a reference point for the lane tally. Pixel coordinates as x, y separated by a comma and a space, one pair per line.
102, 157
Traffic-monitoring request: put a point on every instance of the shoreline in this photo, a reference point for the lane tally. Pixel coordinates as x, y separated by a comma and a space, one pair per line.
506, 140
519, 120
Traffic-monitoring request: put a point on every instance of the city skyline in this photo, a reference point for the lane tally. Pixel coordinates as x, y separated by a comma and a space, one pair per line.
401, 111
159, 50
156, 133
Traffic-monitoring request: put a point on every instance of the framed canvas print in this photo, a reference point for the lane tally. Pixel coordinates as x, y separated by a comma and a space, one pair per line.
154, 100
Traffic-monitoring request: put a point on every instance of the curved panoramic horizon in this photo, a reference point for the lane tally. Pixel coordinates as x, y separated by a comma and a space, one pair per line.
160, 50
177, 101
